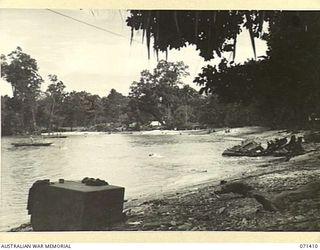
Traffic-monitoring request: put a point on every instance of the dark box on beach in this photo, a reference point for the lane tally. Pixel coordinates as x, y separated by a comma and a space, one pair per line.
74, 206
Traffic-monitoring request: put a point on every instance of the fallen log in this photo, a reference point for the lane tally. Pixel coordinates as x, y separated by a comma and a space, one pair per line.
308, 191
248, 191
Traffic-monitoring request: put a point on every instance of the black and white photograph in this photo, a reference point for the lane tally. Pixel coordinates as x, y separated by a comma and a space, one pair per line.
160, 120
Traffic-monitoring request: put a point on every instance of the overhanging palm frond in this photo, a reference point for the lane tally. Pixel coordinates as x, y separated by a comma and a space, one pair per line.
250, 28
207, 30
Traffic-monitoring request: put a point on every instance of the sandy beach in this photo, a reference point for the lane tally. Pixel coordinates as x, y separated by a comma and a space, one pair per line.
201, 208
205, 207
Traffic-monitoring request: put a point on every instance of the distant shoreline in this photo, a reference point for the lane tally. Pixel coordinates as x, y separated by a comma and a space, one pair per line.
154, 131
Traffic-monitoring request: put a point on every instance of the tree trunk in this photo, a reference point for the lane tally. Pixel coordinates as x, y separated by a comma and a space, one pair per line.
22, 117
186, 115
33, 121
51, 115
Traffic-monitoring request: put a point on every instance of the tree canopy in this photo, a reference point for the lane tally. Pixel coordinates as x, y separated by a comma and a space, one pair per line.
156, 93
21, 71
212, 31
285, 82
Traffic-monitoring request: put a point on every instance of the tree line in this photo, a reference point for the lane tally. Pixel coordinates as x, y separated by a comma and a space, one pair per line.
159, 95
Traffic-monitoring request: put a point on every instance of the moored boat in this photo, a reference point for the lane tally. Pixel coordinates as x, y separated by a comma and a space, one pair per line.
34, 144
55, 136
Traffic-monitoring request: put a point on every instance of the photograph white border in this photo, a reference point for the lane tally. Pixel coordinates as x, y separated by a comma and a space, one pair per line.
161, 237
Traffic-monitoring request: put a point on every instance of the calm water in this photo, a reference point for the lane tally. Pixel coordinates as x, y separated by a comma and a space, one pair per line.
177, 160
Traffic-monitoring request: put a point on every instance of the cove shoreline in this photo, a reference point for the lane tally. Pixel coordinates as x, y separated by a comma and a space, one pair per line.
200, 208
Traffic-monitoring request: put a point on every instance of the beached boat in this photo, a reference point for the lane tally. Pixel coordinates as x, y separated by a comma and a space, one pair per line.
35, 144
231, 152
236, 152
279, 147
247, 148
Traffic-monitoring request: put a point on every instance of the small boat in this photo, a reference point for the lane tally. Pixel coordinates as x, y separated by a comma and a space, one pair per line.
34, 144
55, 136
247, 148
235, 152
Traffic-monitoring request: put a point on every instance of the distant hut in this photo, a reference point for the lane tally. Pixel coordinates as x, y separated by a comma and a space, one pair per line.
155, 124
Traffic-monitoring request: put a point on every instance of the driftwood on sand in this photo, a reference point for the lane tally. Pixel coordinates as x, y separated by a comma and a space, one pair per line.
307, 191
278, 202
248, 191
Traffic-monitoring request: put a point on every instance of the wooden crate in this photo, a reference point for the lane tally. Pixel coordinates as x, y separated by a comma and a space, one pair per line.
74, 206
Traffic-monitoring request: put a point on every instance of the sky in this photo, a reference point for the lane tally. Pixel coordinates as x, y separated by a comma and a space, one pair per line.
91, 59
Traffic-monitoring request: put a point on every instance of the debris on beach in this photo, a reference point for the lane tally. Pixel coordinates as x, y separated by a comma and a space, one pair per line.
312, 136
308, 191
247, 191
278, 147
247, 148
